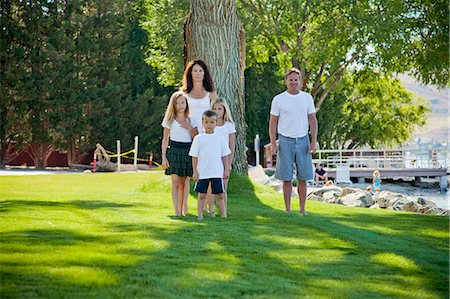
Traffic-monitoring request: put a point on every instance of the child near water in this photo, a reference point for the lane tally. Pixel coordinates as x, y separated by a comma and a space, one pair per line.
376, 181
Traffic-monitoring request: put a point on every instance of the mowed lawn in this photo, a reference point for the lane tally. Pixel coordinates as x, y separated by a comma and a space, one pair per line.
113, 236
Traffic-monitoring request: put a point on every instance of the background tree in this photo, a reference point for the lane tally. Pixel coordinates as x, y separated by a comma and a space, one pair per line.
73, 74
326, 38
222, 47
370, 109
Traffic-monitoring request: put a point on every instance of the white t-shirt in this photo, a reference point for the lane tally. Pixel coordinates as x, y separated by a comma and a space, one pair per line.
197, 107
293, 111
177, 132
209, 149
225, 131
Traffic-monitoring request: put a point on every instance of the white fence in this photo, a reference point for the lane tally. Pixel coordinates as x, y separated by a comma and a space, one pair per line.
384, 158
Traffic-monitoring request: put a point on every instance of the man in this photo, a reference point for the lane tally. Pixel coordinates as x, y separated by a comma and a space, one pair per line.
320, 174
291, 115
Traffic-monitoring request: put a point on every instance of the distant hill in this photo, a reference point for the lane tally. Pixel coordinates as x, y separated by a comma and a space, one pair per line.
437, 126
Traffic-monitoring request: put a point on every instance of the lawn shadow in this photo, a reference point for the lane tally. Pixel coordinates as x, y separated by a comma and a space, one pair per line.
8, 205
252, 253
260, 251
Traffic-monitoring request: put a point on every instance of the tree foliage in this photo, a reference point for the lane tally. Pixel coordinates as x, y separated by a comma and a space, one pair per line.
370, 109
73, 74
326, 38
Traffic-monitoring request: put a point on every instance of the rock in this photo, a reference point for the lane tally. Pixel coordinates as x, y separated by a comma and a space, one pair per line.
87, 171
330, 195
411, 206
258, 175
357, 199
348, 190
274, 183
321, 191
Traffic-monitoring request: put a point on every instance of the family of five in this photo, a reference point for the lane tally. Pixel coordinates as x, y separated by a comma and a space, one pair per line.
199, 140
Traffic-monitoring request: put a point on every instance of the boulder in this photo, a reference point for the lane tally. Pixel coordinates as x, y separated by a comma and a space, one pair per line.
348, 190
258, 175
321, 191
357, 199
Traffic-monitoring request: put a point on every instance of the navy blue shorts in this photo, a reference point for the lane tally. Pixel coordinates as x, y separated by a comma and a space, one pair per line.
216, 185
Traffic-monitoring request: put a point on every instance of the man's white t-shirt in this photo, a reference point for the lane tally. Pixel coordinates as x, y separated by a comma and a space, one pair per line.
197, 107
292, 111
177, 132
225, 131
209, 149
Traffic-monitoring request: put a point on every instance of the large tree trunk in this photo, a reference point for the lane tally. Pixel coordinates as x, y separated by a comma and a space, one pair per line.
213, 33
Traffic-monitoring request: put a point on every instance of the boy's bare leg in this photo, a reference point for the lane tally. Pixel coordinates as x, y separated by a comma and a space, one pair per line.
175, 193
209, 202
200, 205
287, 193
301, 189
220, 203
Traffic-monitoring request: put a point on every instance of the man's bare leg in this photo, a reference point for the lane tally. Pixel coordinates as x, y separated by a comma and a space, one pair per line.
287, 193
200, 205
301, 189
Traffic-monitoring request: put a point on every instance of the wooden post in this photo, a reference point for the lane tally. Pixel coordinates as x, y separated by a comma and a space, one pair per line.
135, 152
257, 149
118, 155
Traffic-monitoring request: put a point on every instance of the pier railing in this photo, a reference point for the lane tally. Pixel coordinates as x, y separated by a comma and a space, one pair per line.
383, 158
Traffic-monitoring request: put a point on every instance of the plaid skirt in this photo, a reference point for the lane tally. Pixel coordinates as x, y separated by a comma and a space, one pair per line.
179, 160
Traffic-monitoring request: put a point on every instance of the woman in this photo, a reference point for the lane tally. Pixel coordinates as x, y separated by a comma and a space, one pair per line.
199, 89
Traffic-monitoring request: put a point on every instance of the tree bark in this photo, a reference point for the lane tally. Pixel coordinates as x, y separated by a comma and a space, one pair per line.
213, 33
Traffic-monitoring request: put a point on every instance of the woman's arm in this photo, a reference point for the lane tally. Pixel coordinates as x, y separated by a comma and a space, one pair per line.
212, 96
164, 146
188, 126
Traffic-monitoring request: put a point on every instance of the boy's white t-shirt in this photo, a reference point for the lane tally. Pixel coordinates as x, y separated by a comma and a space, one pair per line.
177, 132
225, 131
209, 149
293, 111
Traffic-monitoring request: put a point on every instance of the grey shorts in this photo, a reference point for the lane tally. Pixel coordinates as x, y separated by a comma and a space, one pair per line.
294, 151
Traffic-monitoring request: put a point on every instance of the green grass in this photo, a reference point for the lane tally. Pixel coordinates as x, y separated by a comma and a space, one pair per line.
114, 236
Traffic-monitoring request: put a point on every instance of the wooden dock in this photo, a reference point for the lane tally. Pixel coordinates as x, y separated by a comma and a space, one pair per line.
391, 173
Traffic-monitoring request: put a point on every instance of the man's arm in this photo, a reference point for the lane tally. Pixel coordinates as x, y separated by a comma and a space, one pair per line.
273, 123
312, 120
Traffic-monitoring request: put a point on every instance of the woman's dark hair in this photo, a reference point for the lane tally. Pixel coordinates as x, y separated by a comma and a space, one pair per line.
188, 84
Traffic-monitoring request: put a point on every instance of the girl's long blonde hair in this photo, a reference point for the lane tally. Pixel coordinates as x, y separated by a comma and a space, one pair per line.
171, 110
227, 112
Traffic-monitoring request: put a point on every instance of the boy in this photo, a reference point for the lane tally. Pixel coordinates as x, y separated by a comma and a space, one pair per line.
209, 162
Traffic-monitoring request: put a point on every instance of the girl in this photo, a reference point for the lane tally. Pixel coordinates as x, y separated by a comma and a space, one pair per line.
199, 89
179, 130
225, 127
376, 181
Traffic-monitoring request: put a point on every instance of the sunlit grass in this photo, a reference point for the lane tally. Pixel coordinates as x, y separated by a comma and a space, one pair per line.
114, 235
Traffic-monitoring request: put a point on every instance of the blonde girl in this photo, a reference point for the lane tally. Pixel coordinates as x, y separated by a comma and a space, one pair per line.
376, 181
179, 130
227, 130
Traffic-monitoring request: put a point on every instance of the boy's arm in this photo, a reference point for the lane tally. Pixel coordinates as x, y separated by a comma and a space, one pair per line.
194, 168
